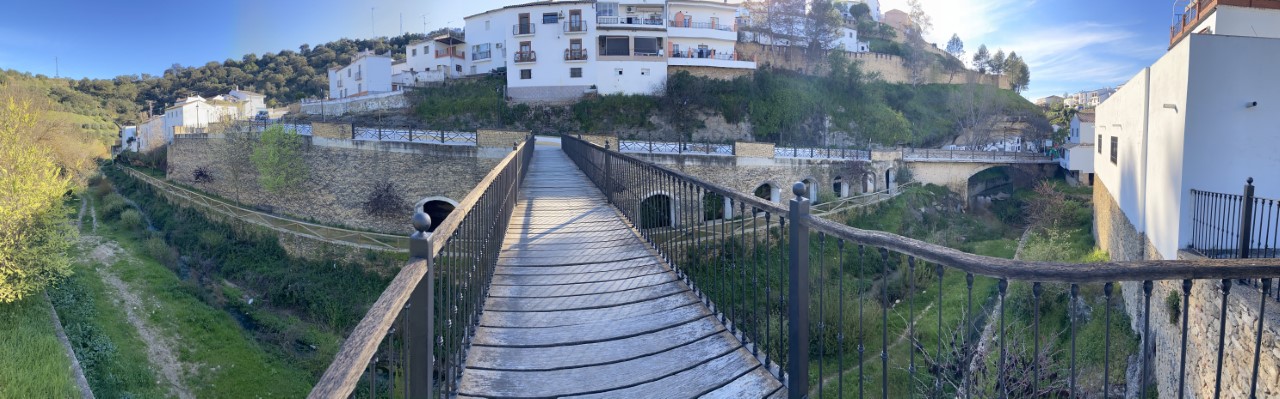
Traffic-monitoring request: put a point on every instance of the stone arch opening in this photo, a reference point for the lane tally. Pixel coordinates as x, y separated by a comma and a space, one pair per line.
769, 191
840, 187
438, 208
715, 206
657, 211
991, 185
889, 176
811, 189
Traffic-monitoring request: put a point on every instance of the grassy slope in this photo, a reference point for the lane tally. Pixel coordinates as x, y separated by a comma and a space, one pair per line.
35, 365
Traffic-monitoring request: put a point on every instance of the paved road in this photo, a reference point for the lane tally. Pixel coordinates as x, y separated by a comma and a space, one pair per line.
580, 307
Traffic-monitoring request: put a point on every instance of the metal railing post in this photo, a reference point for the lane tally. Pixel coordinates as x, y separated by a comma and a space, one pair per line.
1246, 219
420, 319
798, 303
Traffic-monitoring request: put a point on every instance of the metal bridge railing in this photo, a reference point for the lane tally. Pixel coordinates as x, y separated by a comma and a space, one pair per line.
920, 154
1227, 226
821, 303
412, 343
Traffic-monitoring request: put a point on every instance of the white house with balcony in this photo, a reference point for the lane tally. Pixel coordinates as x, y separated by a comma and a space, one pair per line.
1078, 151
433, 60
1202, 117
558, 51
194, 114
368, 73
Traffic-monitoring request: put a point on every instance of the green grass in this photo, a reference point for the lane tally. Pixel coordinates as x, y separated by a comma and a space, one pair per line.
34, 365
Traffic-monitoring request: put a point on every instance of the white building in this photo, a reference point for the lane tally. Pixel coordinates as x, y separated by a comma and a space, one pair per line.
1203, 117
558, 51
433, 60
194, 114
367, 74
151, 134
873, 5
849, 41
1078, 151
250, 103
129, 138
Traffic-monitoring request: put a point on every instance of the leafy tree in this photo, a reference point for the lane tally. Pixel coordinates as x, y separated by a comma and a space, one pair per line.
955, 47
822, 27
996, 64
1018, 73
278, 158
860, 11
981, 58
922, 21
34, 236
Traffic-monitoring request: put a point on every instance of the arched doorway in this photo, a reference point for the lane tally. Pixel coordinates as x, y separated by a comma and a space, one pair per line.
438, 208
715, 207
655, 211
840, 187
889, 176
769, 191
811, 189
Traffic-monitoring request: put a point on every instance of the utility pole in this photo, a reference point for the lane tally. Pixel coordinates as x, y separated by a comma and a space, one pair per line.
149, 102
57, 72
424, 25
402, 24
372, 30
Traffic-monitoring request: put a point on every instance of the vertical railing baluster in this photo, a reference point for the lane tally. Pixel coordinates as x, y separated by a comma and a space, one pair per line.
937, 356
755, 274
1146, 335
840, 337
1257, 338
822, 300
884, 335
1106, 349
1036, 290
862, 332
768, 288
911, 323
1222, 337
1075, 308
782, 296
967, 351
1001, 384
1182, 363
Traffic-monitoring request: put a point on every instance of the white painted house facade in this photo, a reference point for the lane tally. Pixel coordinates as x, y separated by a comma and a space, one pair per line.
1203, 117
558, 51
433, 60
193, 114
367, 74
1078, 151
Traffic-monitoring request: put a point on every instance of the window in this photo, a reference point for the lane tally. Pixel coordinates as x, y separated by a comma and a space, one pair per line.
607, 9
486, 25
644, 71
1115, 148
618, 71
413, 53
575, 72
550, 18
359, 87
426, 50
348, 72
1099, 143
458, 67
615, 45
526, 74
648, 45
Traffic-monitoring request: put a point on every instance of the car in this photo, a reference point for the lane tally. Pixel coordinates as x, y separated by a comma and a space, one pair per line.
262, 116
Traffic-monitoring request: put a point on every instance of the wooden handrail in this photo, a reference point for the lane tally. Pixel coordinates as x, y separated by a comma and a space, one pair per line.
340, 379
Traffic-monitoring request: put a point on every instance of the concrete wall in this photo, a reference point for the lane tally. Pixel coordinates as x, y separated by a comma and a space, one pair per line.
341, 174
711, 72
368, 103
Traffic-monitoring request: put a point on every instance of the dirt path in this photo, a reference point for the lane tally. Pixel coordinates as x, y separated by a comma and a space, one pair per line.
84, 203
160, 350
827, 381
93, 212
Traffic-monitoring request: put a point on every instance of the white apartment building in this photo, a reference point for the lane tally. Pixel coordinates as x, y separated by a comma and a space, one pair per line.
433, 60
1203, 117
1078, 151
367, 74
558, 51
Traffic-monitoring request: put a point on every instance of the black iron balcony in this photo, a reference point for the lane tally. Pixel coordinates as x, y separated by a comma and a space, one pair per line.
575, 26
523, 29
575, 54
526, 56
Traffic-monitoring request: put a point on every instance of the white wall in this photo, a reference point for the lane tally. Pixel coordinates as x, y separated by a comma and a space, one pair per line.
631, 81
1242, 21
1124, 116
549, 42
486, 28
374, 72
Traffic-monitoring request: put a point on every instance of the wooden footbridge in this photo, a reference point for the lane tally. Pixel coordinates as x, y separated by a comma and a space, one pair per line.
574, 271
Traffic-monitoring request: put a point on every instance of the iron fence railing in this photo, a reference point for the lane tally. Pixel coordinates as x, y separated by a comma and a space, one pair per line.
412, 135
412, 343
575, 26
1227, 226
669, 147
523, 29
821, 304
526, 56
820, 153
918, 154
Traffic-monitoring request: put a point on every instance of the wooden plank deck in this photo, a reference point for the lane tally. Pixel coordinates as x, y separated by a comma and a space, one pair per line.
581, 307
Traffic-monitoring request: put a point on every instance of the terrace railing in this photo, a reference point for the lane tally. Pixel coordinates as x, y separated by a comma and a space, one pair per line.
1225, 226
812, 298
918, 154
412, 135
820, 153
671, 147
412, 343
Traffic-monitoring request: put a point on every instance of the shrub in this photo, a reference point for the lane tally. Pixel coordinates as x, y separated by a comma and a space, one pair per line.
131, 219
157, 249
278, 158
112, 205
1174, 304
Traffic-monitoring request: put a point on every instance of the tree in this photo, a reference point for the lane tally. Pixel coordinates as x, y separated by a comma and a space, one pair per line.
981, 59
860, 11
1017, 72
278, 158
822, 28
955, 47
34, 237
922, 21
996, 64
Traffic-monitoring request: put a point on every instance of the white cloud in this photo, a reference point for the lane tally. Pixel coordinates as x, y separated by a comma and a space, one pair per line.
972, 20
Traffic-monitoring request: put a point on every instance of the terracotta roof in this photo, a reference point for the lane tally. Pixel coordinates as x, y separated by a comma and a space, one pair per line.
1086, 117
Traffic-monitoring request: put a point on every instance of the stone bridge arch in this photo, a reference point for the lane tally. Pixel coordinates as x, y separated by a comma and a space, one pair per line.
438, 208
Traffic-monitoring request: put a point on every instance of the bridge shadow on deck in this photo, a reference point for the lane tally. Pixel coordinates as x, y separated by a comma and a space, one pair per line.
581, 307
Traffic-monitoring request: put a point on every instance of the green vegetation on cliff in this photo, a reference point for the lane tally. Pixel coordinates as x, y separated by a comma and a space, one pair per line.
843, 107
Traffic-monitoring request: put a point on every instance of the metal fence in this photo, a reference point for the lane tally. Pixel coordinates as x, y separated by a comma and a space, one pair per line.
408, 134
412, 343
917, 154
821, 304
820, 153
668, 147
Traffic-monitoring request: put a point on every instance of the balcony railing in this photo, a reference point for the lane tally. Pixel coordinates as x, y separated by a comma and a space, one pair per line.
481, 55
523, 29
526, 56
575, 54
820, 303
451, 53
700, 25
628, 21
1227, 226
359, 75
575, 27
706, 54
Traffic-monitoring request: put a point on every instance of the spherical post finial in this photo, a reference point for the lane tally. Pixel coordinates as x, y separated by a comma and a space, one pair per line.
799, 189
421, 222
1249, 180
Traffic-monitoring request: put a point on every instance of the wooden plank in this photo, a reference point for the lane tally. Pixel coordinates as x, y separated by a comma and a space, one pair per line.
755, 384
567, 382
590, 301
577, 269
585, 257
497, 318
692, 382
547, 291
580, 278
570, 356
598, 331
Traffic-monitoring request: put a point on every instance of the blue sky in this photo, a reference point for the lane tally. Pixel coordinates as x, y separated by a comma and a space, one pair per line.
1070, 45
